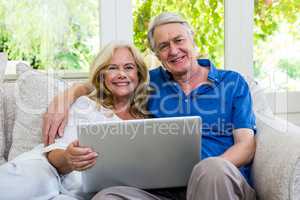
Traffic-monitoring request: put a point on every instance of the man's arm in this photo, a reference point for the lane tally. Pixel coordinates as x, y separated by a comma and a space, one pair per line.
243, 150
56, 116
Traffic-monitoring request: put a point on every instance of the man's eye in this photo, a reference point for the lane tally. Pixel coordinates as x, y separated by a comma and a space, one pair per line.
179, 40
163, 47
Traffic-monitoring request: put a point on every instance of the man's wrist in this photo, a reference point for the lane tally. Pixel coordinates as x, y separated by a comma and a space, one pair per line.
78, 90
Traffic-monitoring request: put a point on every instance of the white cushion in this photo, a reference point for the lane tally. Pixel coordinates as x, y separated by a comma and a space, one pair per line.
33, 92
296, 181
276, 166
260, 103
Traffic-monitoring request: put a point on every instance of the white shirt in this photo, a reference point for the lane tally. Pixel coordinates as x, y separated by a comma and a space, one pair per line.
82, 111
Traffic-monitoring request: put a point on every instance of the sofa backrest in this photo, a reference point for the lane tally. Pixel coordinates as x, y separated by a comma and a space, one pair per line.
9, 108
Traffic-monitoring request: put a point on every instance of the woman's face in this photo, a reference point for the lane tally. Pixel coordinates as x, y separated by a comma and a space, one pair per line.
121, 76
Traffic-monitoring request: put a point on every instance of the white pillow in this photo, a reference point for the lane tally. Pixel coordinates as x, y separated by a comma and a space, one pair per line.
260, 103
33, 91
276, 165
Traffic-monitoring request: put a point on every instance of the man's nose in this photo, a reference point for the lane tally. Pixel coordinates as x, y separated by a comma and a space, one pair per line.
173, 49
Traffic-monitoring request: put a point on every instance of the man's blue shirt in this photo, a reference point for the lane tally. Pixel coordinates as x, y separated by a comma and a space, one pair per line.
223, 104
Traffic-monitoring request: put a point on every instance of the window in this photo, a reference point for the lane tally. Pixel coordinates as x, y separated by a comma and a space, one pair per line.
206, 17
277, 44
58, 34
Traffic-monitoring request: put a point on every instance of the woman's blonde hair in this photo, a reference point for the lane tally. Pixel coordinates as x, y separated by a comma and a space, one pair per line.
102, 95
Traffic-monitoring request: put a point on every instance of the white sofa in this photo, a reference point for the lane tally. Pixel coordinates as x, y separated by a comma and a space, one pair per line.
276, 166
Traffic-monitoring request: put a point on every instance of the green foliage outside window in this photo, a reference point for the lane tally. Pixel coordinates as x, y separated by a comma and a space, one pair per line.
58, 34
292, 67
62, 34
279, 21
207, 18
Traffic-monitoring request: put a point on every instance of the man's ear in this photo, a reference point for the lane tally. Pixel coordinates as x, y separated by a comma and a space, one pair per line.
196, 48
196, 51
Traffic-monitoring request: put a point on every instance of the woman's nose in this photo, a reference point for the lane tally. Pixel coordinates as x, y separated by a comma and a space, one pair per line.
122, 74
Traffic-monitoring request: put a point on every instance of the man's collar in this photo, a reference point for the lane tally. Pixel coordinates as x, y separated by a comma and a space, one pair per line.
213, 74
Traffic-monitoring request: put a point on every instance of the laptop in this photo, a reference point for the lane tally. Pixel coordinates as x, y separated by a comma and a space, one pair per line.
143, 153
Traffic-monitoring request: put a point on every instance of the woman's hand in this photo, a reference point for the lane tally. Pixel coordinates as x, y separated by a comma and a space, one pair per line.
80, 158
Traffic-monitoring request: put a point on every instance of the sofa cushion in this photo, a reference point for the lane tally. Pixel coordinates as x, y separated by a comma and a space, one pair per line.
296, 181
276, 166
260, 103
33, 92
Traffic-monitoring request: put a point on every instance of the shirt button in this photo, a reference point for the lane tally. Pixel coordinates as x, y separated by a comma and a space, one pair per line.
185, 100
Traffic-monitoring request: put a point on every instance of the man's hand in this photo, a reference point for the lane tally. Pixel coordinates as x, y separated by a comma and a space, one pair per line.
56, 117
80, 158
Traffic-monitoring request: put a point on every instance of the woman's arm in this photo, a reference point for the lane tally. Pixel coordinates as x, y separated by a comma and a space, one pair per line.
56, 116
73, 158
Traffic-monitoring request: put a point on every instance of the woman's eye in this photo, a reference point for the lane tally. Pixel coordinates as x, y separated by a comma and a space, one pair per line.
112, 67
129, 66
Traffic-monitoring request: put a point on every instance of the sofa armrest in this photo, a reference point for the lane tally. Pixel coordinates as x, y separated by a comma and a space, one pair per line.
276, 166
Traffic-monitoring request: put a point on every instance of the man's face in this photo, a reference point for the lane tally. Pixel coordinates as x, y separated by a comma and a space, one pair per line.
174, 48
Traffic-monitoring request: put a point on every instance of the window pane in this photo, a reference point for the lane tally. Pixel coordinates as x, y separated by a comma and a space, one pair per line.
59, 34
206, 17
277, 44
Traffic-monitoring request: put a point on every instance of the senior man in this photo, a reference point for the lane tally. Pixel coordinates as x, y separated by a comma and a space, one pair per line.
187, 86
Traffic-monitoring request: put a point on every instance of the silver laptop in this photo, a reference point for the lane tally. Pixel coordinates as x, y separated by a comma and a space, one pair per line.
144, 153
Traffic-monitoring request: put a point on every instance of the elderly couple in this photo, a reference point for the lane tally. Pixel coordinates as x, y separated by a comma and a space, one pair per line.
119, 90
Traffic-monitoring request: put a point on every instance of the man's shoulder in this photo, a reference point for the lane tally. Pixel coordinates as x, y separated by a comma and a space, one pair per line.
230, 75
156, 74
155, 71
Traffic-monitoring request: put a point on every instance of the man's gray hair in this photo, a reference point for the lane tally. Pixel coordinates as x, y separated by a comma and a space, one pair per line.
166, 18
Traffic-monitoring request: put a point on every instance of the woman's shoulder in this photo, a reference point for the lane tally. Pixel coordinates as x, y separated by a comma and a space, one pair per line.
84, 107
83, 104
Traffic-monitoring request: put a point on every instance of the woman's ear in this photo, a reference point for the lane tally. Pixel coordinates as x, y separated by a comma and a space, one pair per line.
101, 77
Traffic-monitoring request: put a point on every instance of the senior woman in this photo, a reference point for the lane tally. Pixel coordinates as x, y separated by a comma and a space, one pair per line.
119, 77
